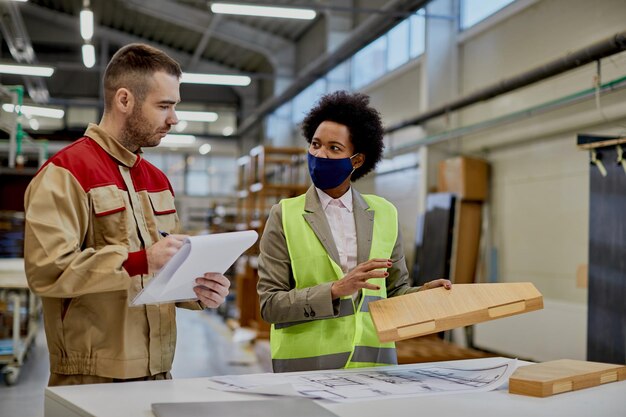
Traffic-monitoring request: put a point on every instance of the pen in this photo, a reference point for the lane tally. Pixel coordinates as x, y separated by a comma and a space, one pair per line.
164, 234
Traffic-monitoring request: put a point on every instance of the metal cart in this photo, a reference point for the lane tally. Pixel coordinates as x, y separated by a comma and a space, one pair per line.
20, 314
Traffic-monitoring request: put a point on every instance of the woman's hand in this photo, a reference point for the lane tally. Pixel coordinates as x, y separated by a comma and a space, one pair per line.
357, 278
437, 283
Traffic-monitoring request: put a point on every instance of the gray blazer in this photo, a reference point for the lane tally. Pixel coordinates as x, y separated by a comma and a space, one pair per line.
280, 301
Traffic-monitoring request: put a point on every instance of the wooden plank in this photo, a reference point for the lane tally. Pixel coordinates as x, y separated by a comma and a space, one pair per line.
436, 310
466, 241
586, 141
555, 377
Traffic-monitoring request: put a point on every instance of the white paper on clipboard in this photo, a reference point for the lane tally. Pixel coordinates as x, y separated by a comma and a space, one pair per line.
199, 254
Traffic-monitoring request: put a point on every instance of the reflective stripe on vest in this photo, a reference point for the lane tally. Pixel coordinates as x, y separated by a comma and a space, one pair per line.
346, 308
362, 354
348, 339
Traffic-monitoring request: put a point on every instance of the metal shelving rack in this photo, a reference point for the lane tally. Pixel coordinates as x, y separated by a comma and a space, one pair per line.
266, 176
19, 308
19, 142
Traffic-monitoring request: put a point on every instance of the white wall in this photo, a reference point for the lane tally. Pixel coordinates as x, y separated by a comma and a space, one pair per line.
539, 215
396, 98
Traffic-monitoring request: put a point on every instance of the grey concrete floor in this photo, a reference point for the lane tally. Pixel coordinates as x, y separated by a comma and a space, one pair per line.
205, 347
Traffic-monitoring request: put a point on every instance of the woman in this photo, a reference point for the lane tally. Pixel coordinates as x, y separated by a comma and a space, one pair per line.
328, 253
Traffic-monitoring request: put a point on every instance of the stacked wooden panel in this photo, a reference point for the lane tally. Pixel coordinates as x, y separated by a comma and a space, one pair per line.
564, 375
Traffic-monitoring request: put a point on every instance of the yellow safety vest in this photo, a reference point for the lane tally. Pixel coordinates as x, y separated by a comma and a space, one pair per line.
348, 340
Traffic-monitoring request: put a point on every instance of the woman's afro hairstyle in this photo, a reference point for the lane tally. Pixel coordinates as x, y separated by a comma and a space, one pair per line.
363, 122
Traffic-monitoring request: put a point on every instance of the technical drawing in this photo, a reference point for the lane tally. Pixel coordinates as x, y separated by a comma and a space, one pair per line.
347, 385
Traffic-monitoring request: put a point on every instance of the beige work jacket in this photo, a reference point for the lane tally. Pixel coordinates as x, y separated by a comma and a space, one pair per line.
90, 212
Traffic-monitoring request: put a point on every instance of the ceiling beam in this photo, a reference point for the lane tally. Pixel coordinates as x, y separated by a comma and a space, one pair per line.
204, 41
21, 48
119, 38
271, 46
366, 32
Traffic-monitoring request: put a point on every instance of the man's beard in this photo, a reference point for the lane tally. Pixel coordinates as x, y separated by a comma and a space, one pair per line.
137, 132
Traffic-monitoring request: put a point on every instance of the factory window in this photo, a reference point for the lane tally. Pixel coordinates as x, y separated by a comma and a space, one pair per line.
404, 42
173, 165
475, 11
418, 35
369, 63
339, 77
210, 175
303, 102
278, 126
398, 41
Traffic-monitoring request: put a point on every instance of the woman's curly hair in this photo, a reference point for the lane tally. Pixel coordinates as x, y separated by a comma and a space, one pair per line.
363, 122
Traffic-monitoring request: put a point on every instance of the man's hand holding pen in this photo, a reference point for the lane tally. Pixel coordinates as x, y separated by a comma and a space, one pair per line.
163, 250
211, 289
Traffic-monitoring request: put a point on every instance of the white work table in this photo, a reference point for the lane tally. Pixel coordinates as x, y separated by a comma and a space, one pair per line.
135, 399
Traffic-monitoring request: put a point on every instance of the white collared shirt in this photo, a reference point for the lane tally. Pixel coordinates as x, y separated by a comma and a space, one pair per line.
340, 216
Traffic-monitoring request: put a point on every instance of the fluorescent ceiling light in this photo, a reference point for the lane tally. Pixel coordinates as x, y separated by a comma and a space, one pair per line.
228, 130
89, 55
177, 140
26, 70
35, 111
263, 11
197, 116
180, 126
34, 124
204, 149
86, 24
219, 79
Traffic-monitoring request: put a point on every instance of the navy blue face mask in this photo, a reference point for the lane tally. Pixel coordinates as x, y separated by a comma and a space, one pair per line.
329, 173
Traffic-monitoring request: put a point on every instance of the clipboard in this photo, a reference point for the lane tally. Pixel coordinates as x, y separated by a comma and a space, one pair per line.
199, 254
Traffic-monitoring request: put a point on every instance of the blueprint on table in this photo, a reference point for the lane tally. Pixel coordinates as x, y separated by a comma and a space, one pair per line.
348, 385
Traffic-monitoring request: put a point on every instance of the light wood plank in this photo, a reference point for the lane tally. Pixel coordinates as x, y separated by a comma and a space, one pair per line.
555, 377
436, 310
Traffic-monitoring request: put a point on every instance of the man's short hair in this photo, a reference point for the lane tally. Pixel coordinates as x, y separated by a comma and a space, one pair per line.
132, 66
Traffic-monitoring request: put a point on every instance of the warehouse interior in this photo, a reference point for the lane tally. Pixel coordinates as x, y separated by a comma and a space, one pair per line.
491, 110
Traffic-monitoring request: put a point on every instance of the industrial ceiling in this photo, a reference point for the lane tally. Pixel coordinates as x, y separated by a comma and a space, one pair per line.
281, 55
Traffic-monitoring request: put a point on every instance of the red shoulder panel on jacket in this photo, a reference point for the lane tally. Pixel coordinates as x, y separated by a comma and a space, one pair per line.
89, 164
93, 167
150, 178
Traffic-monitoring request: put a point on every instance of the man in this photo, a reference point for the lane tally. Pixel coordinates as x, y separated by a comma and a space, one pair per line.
96, 217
